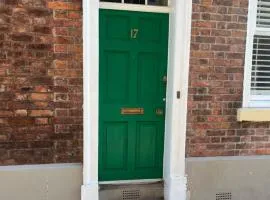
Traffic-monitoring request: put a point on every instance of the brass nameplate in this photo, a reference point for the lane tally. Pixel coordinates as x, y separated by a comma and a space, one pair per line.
132, 111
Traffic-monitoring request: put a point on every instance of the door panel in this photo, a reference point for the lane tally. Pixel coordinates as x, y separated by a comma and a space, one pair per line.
117, 27
116, 68
150, 30
146, 145
133, 62
148, 77
116, 140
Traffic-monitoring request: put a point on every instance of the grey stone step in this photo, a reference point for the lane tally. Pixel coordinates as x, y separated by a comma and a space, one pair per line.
134, 191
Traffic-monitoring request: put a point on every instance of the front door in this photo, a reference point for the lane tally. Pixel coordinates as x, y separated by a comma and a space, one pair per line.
132, 90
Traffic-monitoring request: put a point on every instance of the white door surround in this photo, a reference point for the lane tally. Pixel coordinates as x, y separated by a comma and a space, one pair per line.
176, 109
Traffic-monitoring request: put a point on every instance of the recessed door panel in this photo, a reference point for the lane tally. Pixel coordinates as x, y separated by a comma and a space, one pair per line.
116, 27
133, 64
117, 76
148, 77
116, 143
150, 30
146, 145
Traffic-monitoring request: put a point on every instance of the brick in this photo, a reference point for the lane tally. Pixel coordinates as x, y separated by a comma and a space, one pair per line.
230, 139
61, 14
41, 96
21, 113
4, 113
42, 29
215, 146
223, 2
62, 112
58, 5
200, 140
40, 47
40, 113
38, 11
41, 121
11, 2
22, 37
60, 48
74, 15
259, 138
204, 24
20, 121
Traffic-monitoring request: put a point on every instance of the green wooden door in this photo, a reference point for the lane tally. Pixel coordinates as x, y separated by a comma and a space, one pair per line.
133, 65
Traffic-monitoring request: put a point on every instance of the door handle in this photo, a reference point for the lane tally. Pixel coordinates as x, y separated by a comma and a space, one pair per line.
164, 79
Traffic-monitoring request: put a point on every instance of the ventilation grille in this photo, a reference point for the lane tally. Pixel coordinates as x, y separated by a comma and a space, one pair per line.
131, 195
224, 196
260, 74
263, 13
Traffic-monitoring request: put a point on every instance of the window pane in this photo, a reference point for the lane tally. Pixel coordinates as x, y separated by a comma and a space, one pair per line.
263, 13
135, 1
115, 1
150, 2
158, 2
260, 75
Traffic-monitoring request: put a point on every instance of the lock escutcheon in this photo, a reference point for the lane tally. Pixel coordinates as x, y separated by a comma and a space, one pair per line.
159, 111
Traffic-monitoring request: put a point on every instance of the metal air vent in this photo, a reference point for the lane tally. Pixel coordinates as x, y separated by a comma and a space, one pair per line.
131, 195
224, 196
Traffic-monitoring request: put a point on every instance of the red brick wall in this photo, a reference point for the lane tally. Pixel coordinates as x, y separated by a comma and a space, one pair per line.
215, 87
41, 81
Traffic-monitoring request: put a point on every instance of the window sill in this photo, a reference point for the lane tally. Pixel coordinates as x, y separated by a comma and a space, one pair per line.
253, 114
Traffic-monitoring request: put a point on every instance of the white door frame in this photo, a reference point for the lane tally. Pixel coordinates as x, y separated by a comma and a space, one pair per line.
176, 109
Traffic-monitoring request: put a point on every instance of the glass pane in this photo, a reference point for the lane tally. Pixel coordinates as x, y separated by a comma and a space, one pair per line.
115, 1
263, 14
158, 2
135, 1
260, 74
150, 2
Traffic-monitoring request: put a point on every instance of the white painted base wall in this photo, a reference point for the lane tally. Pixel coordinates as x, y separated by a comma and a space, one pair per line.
246, 178
41, 182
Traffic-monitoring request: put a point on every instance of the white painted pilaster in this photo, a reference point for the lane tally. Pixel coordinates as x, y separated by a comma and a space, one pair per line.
178, 72
90, 106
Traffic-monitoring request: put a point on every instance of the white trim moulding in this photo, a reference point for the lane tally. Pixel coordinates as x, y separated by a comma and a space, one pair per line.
176, 108
134, 7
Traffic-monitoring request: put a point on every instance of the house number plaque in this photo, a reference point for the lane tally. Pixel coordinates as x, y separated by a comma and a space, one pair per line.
133, 33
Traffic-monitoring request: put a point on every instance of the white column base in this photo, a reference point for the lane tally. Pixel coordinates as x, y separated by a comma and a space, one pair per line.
175, 188
90, 192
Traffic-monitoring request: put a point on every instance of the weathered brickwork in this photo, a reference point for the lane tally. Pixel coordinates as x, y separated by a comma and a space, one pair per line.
40, 81
216, 79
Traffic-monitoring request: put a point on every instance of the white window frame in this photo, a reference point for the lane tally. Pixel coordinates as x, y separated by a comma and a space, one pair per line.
134, 7
249, 100
145, 4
